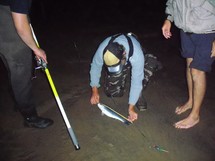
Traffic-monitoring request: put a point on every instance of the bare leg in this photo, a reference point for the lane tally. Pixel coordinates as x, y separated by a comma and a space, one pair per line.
199, 88
189, 103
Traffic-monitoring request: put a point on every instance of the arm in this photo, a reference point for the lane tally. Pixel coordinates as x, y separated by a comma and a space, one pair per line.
95, 96
166, 28
137, 75
132, 114
169, 10
95, 73
24, 31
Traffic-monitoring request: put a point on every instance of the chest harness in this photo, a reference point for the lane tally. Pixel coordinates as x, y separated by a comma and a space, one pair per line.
114, 83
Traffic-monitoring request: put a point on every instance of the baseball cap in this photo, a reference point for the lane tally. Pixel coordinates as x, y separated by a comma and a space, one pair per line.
112, 57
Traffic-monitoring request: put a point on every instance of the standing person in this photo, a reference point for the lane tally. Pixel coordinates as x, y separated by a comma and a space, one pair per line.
118, 54
196, 21
16, 46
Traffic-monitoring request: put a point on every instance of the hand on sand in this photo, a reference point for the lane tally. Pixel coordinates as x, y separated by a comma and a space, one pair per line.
132, 115
186, 123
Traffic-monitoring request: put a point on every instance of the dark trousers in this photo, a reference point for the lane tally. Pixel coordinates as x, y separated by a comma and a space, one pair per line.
17, 58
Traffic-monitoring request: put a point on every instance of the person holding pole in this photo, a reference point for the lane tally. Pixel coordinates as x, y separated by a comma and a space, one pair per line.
16, 46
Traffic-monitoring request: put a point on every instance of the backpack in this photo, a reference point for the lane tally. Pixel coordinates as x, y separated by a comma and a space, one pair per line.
114, 85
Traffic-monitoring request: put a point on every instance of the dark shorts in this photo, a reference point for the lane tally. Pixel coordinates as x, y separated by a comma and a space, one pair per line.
198, 47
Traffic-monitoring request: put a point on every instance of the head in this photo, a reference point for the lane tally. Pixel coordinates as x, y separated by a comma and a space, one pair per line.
113, 56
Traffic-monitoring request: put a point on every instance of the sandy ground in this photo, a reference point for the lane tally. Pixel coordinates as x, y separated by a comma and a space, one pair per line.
70, 47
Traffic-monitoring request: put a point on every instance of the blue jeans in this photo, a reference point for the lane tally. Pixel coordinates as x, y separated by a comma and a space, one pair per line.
17, 58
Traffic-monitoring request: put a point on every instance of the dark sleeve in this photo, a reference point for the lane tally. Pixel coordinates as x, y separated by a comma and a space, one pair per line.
20, 6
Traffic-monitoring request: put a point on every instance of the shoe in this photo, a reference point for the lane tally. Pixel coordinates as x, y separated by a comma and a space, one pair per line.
141, 104
37, 122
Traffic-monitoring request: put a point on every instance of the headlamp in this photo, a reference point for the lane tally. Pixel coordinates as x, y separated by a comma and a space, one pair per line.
115, 69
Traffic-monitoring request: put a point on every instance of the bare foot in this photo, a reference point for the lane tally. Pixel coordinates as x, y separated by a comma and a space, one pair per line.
186, 123
181, 109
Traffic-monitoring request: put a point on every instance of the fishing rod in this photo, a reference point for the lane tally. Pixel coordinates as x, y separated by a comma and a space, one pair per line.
43, 65
148, 141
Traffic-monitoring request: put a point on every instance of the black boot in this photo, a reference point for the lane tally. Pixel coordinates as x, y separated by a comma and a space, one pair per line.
141, 103
31, 119
37, 122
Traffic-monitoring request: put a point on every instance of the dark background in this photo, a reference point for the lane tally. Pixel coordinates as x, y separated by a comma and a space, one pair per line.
70, 32
97, 11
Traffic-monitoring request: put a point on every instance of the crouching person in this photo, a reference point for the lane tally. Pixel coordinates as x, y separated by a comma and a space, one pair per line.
119, 54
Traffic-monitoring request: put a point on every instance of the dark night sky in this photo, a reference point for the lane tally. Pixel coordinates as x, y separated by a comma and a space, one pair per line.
96, 11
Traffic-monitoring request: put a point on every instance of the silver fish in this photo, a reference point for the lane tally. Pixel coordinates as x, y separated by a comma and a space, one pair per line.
113, 114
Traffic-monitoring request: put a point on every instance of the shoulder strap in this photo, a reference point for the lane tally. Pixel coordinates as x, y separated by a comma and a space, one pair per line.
131, 47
